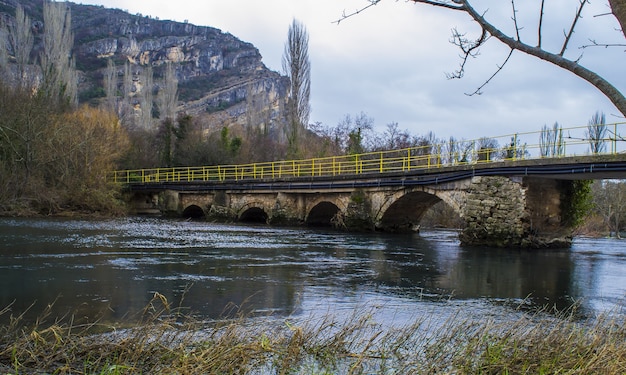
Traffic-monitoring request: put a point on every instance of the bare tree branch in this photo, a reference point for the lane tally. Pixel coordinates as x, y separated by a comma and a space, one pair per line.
610, 91
517, 28
500, 67
571, 30
456, 6
470, 48
348, 15
539, 28
603, 45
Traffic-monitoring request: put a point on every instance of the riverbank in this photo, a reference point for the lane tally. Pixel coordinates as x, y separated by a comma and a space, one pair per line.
163, 341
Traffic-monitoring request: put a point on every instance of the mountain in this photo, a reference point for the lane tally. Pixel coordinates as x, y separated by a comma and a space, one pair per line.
221, 79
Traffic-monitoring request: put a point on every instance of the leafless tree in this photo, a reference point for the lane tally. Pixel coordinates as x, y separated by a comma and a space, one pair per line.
394, 138
297, 66
4, 56
168, 94
21, 40
110, 86
487, 148
596, 133
470, 47
126, 106
147, 98
60, 79
551, 141
609, 200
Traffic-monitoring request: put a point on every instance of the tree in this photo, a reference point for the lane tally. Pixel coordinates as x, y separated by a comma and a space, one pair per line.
21, 40
110, 86
618, 8
60, 79
487, 148
596, 133
147, 98
126, 108
551, 141
92, 141
609, 201
168, 94
297, 66
4, 56
470, 48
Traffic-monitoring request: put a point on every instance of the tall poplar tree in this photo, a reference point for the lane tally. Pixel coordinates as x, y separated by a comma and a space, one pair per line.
21, 40
60, 80
297, 66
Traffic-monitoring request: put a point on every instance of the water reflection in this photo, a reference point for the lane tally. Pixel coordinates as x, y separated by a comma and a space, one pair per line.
112, 269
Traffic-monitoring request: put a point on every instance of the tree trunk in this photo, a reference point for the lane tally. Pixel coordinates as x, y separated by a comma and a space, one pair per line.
618, 7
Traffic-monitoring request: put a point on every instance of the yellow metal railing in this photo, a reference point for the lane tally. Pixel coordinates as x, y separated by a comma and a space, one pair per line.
519, 146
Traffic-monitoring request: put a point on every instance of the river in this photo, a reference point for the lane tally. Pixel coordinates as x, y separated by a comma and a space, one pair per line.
111, 269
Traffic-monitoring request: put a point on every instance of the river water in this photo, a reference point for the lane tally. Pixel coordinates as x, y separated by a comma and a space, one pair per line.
111, 269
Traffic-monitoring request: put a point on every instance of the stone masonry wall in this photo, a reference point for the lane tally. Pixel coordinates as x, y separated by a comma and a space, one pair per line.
495, 213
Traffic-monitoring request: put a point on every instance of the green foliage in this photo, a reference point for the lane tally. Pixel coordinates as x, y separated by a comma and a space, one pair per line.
7, 9
90, 63
232, 145
94, 92
576, 202
222, 105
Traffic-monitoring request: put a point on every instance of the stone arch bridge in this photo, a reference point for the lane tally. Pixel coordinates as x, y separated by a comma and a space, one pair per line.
521, 203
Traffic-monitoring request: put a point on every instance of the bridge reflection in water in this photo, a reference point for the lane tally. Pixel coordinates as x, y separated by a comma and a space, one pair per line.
515, 195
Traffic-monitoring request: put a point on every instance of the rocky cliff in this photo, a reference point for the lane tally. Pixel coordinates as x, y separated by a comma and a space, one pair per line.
222, 80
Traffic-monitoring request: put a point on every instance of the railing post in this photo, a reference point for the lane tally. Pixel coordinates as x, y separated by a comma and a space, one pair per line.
312, 167
408, 159
381, 163
334, 166
614, 143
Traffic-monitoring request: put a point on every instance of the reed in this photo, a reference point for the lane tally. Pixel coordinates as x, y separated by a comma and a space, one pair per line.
162, 341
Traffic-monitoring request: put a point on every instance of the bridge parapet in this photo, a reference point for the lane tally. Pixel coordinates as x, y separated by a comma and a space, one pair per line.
530, 146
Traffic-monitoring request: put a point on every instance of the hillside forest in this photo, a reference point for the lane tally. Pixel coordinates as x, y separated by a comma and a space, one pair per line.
57, 144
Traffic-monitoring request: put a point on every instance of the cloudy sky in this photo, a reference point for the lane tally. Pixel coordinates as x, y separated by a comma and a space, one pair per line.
391, 61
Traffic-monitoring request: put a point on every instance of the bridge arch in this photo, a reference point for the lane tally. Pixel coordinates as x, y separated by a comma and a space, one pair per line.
253, 212
404, 210
193, 211
322, 212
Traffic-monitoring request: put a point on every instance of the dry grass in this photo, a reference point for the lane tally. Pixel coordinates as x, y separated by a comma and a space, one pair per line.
164, 343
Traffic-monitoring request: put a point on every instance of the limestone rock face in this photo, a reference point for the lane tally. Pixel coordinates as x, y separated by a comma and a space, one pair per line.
220, 77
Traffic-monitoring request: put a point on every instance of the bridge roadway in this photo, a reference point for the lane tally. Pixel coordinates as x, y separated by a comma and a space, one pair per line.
587, 167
